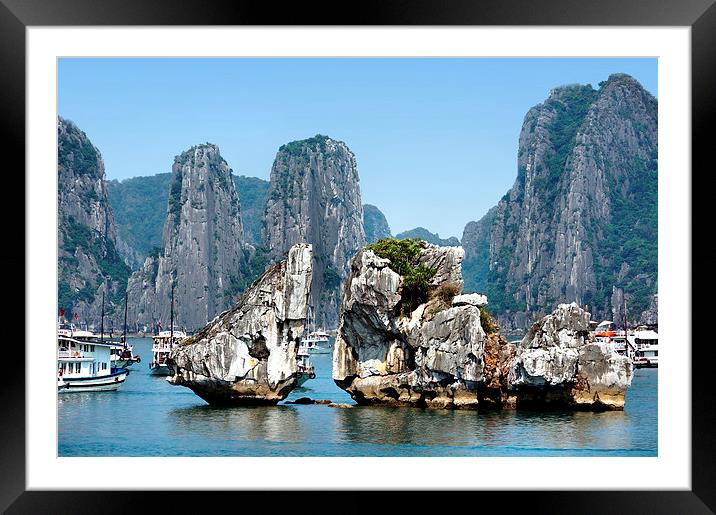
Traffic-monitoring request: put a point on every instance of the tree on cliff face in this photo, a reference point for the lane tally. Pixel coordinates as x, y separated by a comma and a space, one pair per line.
581, 218
204, 251
314, 197
89, 263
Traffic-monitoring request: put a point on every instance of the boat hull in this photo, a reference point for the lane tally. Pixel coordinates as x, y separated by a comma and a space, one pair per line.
160, 370
302, 377
319, 350
106, 383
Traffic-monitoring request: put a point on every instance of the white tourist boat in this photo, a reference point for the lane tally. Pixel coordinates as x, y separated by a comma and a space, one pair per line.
646, 342
640, 344
84, 362
305, 369
316, 341
164, 342
122, 353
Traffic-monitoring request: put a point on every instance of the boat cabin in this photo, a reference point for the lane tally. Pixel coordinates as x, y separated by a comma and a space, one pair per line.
82, 358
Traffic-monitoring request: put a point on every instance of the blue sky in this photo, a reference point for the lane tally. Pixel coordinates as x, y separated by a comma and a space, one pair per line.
435, 139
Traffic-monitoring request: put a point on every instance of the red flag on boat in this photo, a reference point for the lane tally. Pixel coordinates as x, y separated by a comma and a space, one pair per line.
76, 316
62, 312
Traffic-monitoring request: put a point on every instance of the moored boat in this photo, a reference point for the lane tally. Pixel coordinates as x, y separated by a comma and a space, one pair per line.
164, 342
306, 370
646, 342
84, 363
123, 353
316, 340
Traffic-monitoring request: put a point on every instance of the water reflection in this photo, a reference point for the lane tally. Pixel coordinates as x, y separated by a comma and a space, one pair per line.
252, 423
488, 429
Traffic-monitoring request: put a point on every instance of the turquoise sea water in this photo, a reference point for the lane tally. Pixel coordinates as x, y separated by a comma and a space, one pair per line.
149, 417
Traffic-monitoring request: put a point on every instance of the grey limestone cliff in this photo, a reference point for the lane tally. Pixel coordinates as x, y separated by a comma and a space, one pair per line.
581, 218
89, 263
247, 355
204, 252
314, 197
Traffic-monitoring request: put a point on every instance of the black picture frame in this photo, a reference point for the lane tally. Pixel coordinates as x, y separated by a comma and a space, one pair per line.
17, 15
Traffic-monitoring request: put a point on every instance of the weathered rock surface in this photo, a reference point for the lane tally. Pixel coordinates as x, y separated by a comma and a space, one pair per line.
247, 355
89, 262
558, 363
204, 253
314, 197
432, 358
581, 217
440, 355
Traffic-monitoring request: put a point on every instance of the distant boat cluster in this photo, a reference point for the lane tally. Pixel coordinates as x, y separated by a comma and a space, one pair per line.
90, 362
641, 344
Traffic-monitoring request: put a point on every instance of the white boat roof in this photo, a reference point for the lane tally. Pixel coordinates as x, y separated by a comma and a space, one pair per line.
85, 342
647, 335
167, 334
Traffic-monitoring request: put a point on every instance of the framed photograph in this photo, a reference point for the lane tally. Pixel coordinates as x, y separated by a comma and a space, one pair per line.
413, 248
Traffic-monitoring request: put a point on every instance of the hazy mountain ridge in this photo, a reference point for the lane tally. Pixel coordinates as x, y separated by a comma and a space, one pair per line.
434, 238
375, 225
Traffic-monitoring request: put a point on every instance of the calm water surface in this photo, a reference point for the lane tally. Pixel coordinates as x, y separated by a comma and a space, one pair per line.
149, 417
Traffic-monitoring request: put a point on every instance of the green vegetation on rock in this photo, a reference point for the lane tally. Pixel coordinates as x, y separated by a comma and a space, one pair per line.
403, 255
299, 147
487, 321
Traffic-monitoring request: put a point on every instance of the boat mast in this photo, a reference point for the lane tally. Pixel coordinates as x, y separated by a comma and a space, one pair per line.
171, 319
101, 324
124, 337
626, 329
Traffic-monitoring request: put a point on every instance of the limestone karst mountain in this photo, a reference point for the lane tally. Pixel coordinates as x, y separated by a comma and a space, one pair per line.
580, 222
89, 262
375, 225
315, 198
204, 251
434, 238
